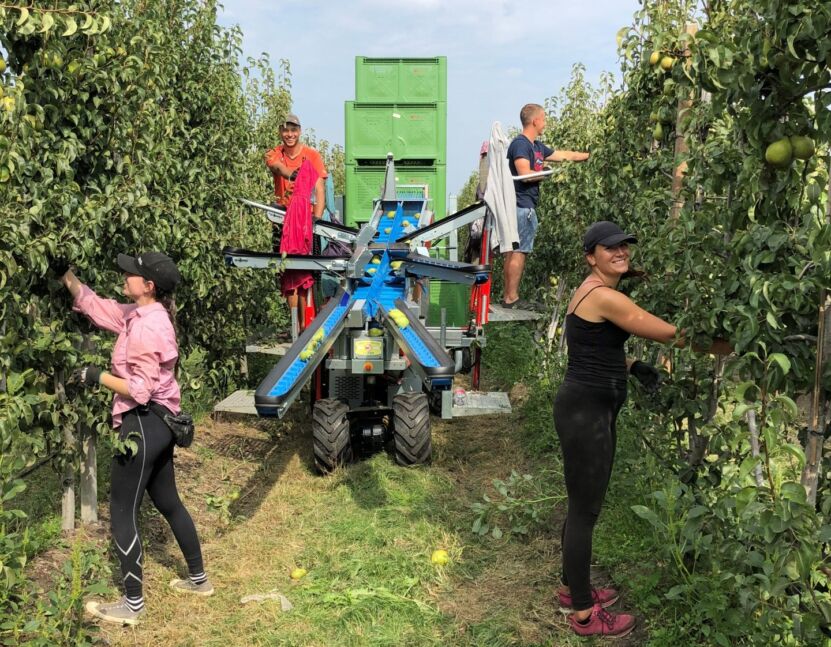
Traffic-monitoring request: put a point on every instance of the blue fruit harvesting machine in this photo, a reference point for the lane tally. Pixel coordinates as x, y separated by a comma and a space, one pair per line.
378, 369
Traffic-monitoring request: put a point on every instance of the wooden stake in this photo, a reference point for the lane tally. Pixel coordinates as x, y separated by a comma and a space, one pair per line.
555, 319
816, 420
89, 476
68, 481
681, 148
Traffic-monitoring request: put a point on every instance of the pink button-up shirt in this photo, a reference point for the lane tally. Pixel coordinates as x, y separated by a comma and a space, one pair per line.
145, 352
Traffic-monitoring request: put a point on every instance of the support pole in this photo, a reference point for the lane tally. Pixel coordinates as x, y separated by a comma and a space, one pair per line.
89, 476
816, 420
68, 480
681, 148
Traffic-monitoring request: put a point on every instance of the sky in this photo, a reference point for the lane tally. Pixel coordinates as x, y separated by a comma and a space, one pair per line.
500, 55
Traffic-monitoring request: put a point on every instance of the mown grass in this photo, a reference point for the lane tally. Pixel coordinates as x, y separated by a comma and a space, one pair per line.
365, 535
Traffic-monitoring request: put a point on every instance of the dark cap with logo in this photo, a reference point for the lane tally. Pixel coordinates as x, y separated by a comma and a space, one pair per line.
153, 266
292, 119
607, 234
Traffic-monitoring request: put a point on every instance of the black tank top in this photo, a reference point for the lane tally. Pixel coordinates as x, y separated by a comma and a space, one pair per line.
595, 351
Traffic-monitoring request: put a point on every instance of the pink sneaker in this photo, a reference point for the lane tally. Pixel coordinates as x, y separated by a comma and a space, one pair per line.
603, 623
603, 597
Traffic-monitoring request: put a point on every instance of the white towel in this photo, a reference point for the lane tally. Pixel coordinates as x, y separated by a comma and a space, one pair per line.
499, 194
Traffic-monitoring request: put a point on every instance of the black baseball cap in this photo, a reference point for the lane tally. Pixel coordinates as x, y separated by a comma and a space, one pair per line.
153, 266
607, 234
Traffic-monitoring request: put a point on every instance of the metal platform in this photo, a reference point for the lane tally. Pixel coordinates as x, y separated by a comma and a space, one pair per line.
239, 403
479, 403
498, 314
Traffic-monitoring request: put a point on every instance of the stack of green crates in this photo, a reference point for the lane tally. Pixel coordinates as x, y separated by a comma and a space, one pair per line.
400, 108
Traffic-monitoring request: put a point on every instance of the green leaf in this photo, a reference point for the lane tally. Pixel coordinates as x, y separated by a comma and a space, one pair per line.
47, 22
783, 362
796, 452
645, 513
790, 405
794, 492
16, 488
24, 16
697, 511
71, 27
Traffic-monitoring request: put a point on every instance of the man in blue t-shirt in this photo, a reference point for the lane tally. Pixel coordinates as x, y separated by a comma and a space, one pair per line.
526, 155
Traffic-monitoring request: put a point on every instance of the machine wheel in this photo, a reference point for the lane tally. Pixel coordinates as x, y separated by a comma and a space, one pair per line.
411, 429
330, 433
434, 401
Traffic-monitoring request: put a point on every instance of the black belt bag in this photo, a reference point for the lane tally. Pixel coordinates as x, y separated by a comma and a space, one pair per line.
181, 426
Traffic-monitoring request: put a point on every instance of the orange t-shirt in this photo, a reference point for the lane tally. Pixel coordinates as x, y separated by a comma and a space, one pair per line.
283, 187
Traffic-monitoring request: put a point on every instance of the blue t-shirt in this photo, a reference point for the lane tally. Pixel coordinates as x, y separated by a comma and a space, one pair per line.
527, 193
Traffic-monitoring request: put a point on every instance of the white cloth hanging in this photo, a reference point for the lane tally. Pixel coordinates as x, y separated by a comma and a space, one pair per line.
499, 193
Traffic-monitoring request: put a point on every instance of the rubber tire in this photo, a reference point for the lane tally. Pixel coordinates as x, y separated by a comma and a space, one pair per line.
330, 435
411, 429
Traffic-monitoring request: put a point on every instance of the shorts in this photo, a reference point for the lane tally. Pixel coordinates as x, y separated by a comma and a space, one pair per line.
526, 225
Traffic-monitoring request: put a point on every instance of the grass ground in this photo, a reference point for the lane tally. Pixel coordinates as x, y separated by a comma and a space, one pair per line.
365, 535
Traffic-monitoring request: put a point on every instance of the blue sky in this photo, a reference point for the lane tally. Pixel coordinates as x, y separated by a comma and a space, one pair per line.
500, 55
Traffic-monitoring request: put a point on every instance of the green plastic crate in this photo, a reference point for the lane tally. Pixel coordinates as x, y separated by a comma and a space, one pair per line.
414, 131
363, 187
454, 298
400, 80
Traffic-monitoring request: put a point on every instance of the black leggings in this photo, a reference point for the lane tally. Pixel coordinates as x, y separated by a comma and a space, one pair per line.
151, 469
584, 417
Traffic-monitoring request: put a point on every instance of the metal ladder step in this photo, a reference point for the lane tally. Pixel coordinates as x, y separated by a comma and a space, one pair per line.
483, 403
239, 403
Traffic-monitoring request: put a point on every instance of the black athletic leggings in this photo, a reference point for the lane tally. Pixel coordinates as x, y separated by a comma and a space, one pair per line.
151, 469
584, 417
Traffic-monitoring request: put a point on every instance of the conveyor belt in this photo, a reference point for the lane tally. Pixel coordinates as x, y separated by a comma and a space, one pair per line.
283, 383
428, 358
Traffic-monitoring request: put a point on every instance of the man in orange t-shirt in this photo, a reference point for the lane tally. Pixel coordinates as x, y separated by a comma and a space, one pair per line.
284, 161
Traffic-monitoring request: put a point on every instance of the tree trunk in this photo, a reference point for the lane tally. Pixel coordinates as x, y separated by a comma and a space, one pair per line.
754, 446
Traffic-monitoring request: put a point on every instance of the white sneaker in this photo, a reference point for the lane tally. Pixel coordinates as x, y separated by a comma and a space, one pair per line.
186, 586
116, 612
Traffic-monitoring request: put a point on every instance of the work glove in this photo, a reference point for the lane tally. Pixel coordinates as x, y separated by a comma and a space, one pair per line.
647, 375
59, 266
86, 376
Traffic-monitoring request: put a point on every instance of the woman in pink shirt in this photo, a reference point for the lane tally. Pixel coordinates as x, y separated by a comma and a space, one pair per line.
141, 370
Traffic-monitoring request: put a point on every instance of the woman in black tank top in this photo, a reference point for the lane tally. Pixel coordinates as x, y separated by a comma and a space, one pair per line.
599, 320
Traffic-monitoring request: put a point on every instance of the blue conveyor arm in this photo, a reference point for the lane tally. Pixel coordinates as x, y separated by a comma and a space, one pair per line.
429, 360
281, 386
